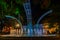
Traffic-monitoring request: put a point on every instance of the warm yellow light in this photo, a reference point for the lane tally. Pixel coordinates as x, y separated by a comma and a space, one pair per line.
46, 25
17, 25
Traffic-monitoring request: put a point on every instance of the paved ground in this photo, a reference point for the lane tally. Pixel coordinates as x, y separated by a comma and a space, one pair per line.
26, 35
30, 38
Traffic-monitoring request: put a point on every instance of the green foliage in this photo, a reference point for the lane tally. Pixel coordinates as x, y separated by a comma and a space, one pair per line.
3, 4
17, 11
11, 8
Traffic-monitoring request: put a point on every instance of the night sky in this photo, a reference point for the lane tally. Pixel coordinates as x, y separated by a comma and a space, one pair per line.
39, 8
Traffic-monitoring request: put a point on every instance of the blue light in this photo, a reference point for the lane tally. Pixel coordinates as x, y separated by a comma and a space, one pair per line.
38, 29
38, 32
14, 18
49, 12
30, 32
27, 8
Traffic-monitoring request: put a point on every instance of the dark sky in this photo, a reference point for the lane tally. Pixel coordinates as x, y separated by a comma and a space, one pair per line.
39, 7
37, 10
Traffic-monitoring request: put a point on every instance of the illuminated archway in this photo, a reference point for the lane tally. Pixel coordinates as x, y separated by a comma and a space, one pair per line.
49, 12
40, 26
14, 18
18, 30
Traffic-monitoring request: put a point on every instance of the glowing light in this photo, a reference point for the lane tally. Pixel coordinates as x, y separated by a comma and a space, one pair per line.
16, 31
17, 25
29, 32
12, 32
46, 28
27, 8
14, 18
49, 12
38, 29
45, 25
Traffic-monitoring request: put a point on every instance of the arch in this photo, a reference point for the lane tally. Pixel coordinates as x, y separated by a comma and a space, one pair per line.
14, 18
49, 12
